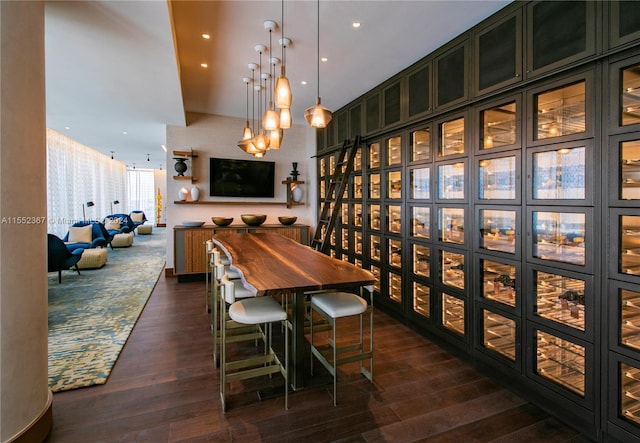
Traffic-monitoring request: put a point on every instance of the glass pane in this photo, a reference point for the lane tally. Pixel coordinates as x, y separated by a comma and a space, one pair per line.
332, 164
374, 155
374, 217
322, 167
560, 299
453, 313
559, 236
451, 225
421, 299
498, 282
374, 185
561, 112
452, 137
421, 260
420, 184
357, 214
497, 178
630, 96
394, 219
357, 160
344, 244
559, 174
394, 151
357, 243
357, 186
345, 214
499, 334
421, 145
630, 393
452, 265
420, 222
394, 183
376, 273
630, 318
630, 170
451, 181
561, 361
630, 244
498, 126
498, 230
375, 252
395, 287
395, 253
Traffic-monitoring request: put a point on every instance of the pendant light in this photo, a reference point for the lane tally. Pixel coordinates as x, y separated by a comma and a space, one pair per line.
247, 134
270, 120
260, 140
247, 144
283, 96
318, 116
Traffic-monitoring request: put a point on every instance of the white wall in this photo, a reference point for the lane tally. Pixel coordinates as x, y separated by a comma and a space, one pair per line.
217, 136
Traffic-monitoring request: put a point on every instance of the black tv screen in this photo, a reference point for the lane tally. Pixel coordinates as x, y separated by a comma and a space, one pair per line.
241, 178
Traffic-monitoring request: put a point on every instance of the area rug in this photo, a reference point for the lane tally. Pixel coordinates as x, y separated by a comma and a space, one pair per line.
91, 315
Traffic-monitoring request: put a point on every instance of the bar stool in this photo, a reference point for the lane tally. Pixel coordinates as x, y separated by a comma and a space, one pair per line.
252, 311
238, 332
332, 306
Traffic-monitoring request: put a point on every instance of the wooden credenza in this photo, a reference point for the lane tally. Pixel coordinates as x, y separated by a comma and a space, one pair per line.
189, 255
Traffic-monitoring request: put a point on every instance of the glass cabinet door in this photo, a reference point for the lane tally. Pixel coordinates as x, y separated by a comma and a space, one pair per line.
421, 260
345, 214
630, 392
376, 273
560, 112
561, 361
420, 183
395, 287
374, 186
560, 299
498, 230
357, 161
559, 174
421, 145
394, 184
394, 219
499, 334
498, 126
630, 169
452, 269
559, 236
375, 248
357, 242
422, 299
394, 151
357, 214
497, 178
453, 313
420, 222
451, 181
498, 282
451, 225
630, 318
630, 244
452, 137
357, 186
374, 217
395, 253
630, 93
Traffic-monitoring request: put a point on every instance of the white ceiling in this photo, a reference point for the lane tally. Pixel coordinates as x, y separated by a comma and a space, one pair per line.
113, 67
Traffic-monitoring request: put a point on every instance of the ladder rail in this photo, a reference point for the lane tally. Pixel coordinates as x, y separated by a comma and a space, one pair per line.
334, 193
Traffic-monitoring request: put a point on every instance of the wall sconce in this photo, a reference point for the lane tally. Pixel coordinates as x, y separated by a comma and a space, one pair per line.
115, 202
88, 204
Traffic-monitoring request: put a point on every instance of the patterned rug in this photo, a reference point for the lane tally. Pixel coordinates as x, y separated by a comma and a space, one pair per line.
91, 315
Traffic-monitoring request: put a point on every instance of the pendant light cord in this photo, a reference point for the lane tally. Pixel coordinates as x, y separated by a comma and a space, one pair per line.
318, 41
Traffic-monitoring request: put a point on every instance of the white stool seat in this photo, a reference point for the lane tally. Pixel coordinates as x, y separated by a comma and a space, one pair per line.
257, 310
339, 304
240, 290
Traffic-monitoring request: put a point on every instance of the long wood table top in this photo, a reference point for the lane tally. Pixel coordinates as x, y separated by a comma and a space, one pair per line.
271, 262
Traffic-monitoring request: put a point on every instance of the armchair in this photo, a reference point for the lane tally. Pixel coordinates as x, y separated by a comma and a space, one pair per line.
59, 258
85, 235
118, 224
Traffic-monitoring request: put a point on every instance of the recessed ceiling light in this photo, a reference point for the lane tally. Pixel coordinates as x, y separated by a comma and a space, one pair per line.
356, 25
124, 132
303, 82
164, 148
204, 65
206, 36
67, 127
324, 59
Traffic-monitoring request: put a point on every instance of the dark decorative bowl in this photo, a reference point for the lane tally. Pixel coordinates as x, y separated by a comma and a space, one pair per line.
253, 219
286, 220
222, 221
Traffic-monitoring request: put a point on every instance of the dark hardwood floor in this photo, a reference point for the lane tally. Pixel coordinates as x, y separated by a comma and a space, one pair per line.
164, 388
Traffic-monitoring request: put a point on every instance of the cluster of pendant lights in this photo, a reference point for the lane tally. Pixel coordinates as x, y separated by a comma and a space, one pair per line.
269, 134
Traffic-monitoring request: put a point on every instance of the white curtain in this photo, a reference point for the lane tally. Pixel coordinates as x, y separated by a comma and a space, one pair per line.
77, 174
141, 195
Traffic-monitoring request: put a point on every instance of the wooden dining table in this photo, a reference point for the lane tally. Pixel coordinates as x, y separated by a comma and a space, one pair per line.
271, 263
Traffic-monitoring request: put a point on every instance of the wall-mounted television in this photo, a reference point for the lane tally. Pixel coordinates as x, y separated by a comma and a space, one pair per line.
241, 178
